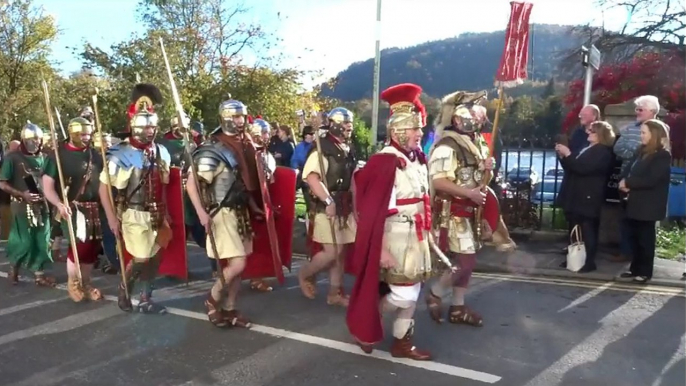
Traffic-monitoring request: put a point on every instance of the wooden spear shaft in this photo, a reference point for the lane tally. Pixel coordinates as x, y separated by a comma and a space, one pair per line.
60, 174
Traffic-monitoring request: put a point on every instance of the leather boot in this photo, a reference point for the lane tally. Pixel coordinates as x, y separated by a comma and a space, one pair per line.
403, 348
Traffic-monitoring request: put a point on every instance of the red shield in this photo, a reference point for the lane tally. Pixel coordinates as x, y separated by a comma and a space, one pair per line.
491, 209
272, 243
173, 258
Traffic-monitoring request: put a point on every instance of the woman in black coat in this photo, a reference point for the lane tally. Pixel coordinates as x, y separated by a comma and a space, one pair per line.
646, 185
583, 190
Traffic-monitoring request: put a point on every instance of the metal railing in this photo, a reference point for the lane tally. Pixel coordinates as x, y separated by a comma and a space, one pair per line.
528, 184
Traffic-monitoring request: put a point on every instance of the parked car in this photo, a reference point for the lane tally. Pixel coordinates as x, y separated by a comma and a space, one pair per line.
546, 191
554, 174
521, 177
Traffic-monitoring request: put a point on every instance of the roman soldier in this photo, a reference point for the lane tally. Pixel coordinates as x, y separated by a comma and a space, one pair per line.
138, 169
55, 227
110, 263
223, 199
27, 245
332, 224
81, 166
272, 243
457, 163
391, 255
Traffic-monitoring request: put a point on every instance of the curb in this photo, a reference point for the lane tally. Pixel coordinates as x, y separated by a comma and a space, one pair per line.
594, 276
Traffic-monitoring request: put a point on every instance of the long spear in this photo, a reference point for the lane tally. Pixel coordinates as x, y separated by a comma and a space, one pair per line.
103, 153
187, 144
60, 174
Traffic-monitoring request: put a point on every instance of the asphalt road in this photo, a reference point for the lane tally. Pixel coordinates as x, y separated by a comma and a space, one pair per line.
538, 332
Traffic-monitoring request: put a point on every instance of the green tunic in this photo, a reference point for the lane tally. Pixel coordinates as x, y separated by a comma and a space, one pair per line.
81, 170
177, 151
27, 245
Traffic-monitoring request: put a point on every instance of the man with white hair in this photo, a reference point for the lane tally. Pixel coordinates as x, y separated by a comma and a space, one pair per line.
647, 107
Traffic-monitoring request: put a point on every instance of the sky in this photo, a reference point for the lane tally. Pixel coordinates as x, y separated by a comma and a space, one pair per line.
325, 35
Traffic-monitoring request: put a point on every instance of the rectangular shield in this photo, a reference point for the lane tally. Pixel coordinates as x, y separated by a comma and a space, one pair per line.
272, 243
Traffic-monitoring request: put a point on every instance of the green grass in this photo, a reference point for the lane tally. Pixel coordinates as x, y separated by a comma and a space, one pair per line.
300, 209
547, 221
670, 242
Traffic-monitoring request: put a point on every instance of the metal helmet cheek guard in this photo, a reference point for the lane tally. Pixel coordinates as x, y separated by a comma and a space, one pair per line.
227, 111
32, 138
407, 111
76, 128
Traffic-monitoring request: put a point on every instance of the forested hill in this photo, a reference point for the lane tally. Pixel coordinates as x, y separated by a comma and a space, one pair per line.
467, 62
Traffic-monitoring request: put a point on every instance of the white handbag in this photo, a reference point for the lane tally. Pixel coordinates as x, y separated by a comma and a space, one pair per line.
576, 252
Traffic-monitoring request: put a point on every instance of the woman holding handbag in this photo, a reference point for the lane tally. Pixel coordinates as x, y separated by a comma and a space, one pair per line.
646, 185
583, 190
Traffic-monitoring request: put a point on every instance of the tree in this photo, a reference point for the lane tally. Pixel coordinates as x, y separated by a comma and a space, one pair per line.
205, 42
658, 74
25, 37
651, 26
362, 139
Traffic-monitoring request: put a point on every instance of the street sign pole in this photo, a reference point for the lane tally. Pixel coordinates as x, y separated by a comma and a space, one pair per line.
377, 70
591, 60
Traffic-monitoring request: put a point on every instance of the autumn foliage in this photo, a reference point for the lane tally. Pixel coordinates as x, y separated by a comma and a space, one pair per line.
656, 74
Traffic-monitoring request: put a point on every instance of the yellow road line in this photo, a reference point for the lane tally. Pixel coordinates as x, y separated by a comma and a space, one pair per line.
612, 285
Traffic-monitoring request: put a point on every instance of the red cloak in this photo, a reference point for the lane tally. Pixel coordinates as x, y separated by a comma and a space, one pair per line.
374, 185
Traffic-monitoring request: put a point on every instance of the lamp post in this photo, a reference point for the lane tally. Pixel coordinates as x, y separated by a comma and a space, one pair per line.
590, 59
377, 70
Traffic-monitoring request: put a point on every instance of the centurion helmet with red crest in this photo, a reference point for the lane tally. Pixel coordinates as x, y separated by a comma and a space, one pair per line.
141, 112
407, 111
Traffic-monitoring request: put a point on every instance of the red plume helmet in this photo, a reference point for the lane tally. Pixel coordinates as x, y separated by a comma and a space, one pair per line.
407, 111
144, 96
250, 119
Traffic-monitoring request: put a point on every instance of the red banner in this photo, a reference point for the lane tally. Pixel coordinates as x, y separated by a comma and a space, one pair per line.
512, 70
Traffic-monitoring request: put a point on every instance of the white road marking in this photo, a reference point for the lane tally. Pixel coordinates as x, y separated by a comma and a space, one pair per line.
613, 285
678, 356
71, 322
346, 347
585, 297
22, 307
88, 317
616, 325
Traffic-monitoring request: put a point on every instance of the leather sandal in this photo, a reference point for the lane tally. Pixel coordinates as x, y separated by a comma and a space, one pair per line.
260, 285
234, 318
464, 315
307, 286
434, 305
45, 281
214, 313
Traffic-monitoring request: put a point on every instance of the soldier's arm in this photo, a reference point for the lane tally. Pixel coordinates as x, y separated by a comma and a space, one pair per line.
194, 194
442, 167
50, 192
206, 169
49, 183
6, 174
312, 175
